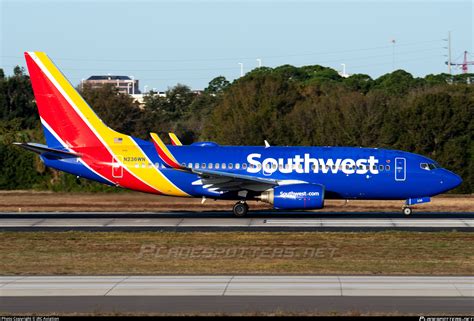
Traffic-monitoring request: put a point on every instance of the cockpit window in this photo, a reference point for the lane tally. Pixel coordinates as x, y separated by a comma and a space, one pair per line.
434, 165
429, 166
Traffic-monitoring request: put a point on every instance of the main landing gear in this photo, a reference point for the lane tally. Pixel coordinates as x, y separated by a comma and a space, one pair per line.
240, 209
407, 210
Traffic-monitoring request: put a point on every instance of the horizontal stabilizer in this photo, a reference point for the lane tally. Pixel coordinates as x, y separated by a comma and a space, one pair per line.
47, 151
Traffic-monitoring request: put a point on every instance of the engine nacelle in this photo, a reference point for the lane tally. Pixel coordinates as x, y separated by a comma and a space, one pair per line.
295, 196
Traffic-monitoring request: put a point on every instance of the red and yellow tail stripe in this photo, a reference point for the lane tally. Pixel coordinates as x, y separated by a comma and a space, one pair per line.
175, 140
68, 114
164, 152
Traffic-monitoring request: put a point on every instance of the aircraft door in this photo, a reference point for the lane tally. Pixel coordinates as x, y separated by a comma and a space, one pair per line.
117, 168
400, 169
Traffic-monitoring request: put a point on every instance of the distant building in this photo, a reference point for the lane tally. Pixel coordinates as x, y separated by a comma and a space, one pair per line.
139, 98
124, 84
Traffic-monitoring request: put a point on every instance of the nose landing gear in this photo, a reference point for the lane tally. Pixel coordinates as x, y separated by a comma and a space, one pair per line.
240, 209
413, 201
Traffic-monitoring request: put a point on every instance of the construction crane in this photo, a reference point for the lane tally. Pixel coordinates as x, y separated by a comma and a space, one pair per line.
464, 65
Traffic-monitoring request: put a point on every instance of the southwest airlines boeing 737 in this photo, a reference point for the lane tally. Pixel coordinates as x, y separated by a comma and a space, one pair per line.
289, 178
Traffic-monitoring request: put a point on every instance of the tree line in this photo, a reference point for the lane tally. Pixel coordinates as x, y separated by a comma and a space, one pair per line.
287, 105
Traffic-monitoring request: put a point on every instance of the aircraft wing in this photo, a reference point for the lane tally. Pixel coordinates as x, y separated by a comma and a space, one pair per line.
46, 151
224, 181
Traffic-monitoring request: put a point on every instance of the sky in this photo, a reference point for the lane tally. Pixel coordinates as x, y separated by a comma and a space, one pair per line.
162, 43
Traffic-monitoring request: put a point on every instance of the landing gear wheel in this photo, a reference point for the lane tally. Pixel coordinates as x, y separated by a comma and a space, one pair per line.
240, 209
407, 211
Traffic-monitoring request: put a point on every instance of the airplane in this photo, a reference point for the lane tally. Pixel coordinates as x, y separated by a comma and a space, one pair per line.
290, 178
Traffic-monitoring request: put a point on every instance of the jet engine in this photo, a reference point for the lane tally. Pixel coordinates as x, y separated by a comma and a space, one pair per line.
295, 196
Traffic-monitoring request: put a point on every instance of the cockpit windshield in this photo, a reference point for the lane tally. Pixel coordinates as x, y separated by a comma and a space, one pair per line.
429, 166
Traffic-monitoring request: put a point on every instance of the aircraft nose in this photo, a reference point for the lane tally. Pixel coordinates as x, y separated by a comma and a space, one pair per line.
451, 180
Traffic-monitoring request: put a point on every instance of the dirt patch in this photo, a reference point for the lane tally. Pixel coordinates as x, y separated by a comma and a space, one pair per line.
28, 201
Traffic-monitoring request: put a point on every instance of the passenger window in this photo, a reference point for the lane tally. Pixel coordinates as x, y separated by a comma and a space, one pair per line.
157, 165
387, 167
217, 166
237, 166
381, 168
143, 165
223, 166
196, 165
231, 165
203, 165
244, 165
136, 165
190, 165
210, 166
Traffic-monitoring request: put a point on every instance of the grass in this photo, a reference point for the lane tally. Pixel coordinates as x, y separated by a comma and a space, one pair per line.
86, 253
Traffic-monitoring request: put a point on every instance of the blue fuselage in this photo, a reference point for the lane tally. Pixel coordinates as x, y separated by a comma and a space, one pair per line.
345, 172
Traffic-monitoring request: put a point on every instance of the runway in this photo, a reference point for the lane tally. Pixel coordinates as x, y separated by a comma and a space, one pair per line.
224, 221
237, 293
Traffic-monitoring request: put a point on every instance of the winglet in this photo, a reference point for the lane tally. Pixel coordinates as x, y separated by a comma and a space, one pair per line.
175, 140
164, 152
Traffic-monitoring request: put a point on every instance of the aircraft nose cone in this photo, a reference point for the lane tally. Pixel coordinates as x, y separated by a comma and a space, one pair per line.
452, 180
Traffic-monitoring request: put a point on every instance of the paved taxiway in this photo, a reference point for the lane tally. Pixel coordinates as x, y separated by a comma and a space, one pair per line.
257, 221
238, 293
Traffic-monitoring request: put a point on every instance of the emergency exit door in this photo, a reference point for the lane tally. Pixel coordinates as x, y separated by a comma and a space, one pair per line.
117, 168
400, 169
